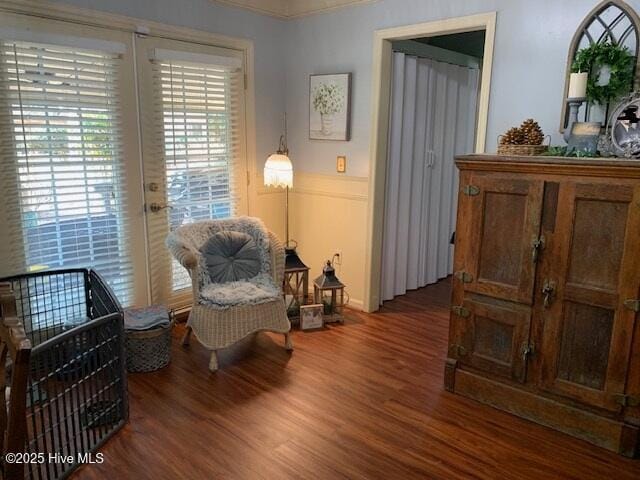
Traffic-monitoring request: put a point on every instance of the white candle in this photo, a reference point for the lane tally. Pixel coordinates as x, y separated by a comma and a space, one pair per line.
578, 85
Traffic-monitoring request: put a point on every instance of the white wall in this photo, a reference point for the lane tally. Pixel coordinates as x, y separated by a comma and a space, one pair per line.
531, 46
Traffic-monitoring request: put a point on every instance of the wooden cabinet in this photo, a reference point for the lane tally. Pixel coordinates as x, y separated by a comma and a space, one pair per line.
545, 302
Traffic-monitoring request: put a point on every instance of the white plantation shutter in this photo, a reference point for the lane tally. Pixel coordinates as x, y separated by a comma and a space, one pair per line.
200, 118
62, 183
193, 119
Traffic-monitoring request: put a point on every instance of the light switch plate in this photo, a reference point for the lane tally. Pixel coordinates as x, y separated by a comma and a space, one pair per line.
341, 164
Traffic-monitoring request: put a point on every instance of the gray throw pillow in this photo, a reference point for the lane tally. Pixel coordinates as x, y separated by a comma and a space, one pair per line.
231, 256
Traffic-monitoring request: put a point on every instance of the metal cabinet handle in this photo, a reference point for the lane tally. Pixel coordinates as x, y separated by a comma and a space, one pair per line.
548, 289
537, 244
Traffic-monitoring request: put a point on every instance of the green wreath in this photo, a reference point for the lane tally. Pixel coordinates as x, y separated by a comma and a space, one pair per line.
618, 59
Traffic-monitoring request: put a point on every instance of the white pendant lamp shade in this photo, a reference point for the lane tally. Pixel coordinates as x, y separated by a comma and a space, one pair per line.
278, 171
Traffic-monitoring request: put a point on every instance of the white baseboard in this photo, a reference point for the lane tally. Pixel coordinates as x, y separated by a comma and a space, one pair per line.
356, 305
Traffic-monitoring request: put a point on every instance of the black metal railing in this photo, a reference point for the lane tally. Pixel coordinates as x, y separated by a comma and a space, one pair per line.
77, 395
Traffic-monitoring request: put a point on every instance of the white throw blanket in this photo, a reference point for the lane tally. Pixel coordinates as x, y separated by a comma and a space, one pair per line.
259, 289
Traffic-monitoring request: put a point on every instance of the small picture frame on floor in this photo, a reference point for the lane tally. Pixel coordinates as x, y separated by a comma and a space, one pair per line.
311, 317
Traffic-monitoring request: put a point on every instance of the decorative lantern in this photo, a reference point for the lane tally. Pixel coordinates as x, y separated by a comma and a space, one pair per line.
329, 291
296, 283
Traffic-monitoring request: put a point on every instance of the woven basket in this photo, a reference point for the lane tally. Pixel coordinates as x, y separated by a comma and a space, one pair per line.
148, 350
522, 150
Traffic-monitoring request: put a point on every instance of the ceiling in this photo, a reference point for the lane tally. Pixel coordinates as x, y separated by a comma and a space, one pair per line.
291, 8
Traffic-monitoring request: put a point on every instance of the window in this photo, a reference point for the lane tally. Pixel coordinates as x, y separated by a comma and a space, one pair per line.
60, 119
91, 180
198, 118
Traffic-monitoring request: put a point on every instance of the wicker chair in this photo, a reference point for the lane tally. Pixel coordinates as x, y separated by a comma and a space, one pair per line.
219, 326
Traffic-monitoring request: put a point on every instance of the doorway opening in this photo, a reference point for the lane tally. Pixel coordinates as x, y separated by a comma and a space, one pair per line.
431, 86
433, 115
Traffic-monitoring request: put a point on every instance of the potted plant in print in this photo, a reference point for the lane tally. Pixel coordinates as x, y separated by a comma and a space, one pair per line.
328, 100
329, 107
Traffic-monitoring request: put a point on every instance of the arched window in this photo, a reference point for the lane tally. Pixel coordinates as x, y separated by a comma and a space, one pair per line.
614, 22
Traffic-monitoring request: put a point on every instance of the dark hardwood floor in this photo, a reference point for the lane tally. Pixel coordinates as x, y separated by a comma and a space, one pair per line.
360, 401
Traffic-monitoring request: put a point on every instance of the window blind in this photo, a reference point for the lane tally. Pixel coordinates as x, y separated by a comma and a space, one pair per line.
198, 109
62, 160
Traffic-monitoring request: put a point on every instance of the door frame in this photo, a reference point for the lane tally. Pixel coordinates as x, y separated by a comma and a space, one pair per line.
380, 105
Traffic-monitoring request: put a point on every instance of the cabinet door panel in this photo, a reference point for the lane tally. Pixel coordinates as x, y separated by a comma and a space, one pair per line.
505, 220
587, 330
495, 337
585, 341
598, 233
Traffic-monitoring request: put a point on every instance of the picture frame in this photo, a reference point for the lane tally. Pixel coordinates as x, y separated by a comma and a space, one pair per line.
311, 317
330, 107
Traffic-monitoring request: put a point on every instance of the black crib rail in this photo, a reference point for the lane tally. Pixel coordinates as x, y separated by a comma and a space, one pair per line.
77, 395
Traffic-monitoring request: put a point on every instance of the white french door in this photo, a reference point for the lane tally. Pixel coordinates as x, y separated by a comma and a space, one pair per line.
70, 184
75, 190
194, 162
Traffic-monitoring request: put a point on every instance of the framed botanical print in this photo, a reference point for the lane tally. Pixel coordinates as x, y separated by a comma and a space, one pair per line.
329, 107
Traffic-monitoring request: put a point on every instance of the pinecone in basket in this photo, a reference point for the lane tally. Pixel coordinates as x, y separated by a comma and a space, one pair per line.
513, 136
532, 132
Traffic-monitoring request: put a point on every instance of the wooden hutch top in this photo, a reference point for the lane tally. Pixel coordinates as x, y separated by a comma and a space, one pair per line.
603, 167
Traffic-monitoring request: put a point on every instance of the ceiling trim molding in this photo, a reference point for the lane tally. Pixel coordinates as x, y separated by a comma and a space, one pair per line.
273, 8
287, 9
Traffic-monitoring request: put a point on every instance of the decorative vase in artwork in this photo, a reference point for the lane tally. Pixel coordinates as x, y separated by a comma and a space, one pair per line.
327, 101
326, 121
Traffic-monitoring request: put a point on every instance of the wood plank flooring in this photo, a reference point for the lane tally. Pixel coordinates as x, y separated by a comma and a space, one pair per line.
362, 400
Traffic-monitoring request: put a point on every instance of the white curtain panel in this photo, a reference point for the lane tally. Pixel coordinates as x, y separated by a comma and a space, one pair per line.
433, 118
